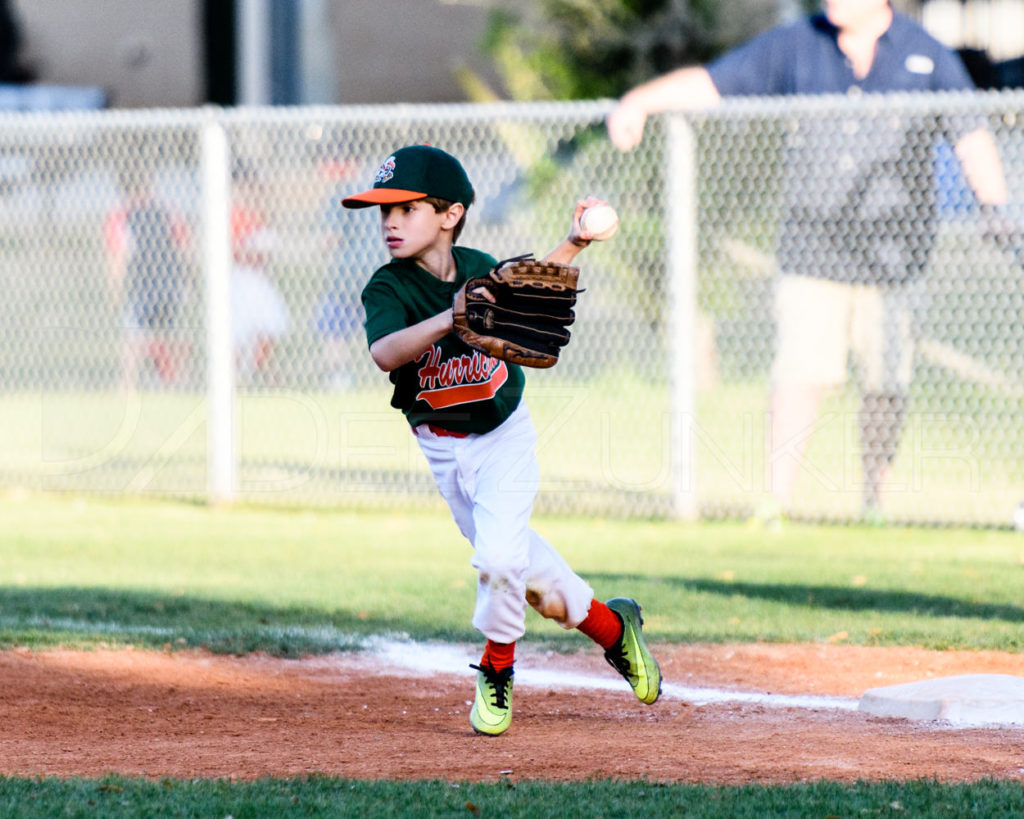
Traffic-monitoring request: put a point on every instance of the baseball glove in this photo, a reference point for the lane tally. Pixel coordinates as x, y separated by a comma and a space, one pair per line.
526, 323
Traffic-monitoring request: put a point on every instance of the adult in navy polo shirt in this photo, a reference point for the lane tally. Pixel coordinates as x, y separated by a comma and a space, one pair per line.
858, 220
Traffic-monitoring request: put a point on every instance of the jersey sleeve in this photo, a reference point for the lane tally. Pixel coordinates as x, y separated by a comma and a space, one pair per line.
755, 68
385, 313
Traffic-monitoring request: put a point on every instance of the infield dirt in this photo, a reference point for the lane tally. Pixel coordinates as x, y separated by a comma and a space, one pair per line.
188, 714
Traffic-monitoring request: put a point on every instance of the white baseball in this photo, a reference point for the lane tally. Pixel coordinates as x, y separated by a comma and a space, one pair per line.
601, 221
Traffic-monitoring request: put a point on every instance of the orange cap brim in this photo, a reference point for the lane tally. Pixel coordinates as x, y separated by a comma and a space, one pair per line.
381, 196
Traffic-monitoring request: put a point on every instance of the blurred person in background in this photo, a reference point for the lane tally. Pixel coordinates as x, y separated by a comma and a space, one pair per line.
858, 221
149, 250
259, 315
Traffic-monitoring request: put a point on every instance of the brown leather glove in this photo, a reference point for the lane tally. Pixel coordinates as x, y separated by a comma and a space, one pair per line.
526, 323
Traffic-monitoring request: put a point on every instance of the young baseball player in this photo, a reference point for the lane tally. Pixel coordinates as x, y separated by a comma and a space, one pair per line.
467, 413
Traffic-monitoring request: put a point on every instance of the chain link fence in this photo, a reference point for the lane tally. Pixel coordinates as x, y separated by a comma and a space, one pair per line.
182, 311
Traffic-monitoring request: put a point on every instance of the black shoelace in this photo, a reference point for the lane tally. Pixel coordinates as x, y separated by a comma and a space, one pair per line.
616, 657
499, 681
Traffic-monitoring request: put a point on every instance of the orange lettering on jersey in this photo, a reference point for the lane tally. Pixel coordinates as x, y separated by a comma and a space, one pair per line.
460, 380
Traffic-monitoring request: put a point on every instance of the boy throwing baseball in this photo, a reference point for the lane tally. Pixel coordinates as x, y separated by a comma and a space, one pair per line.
466, 410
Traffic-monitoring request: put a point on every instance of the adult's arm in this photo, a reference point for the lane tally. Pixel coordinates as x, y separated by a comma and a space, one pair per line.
688, 88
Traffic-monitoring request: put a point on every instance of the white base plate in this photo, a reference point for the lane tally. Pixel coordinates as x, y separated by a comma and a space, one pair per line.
967, 700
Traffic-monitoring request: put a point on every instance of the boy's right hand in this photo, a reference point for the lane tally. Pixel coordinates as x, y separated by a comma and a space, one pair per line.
577, 235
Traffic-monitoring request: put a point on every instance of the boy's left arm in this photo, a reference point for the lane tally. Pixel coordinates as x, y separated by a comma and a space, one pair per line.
578, 238
402, 346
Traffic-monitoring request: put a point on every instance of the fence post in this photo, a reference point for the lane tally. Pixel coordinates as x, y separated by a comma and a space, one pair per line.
221, 465
681, 250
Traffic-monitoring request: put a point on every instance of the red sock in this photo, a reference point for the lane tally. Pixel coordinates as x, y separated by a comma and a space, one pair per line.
498, 656
602, 625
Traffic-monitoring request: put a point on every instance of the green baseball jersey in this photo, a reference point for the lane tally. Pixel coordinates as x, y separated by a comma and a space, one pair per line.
450, 385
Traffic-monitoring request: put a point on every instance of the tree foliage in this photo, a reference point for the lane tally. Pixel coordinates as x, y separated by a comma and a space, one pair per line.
592, 49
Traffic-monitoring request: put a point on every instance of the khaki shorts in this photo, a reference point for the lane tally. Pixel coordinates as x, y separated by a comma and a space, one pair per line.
821, 323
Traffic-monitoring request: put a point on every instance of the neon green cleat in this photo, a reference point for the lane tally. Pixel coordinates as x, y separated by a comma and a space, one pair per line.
492, 708
630, 657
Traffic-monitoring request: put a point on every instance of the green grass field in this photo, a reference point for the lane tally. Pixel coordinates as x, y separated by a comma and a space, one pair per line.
87, 571
325, 796
603, 446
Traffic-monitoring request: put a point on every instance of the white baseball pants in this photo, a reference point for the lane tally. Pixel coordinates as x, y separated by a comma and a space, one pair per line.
490, 482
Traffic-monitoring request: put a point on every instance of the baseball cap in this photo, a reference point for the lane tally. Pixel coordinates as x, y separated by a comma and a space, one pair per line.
416, 172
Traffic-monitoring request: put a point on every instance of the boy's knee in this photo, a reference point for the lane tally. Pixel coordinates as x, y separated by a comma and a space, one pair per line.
549, 604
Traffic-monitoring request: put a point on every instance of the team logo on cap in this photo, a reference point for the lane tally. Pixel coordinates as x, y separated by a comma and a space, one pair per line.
385, 171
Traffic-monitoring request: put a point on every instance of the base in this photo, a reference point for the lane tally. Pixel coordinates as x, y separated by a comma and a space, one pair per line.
966, 700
